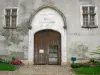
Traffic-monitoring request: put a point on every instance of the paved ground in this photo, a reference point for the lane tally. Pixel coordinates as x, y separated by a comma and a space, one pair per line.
40, 70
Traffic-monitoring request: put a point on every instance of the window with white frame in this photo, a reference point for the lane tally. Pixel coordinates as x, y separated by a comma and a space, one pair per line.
89, 17
10, 17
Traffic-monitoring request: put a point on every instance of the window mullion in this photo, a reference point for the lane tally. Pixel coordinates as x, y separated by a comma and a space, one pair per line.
11, 18
88, 17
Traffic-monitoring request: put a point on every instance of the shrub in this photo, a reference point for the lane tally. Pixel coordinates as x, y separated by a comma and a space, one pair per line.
5, 61
86, 62
12, 61
97, 64
92, 61
76, 65
13, 58
17, 62
1, 60
79, 65
86, 65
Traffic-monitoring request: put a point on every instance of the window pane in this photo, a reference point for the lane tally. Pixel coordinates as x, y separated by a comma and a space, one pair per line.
8, 11
14, 18
85, 9
92, 20
85, 19
14, 11
7, 18
91, 9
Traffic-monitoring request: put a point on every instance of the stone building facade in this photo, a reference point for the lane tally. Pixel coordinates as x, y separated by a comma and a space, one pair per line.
49, 31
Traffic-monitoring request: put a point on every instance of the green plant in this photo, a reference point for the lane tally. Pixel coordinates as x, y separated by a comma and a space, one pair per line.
97, 64
1, 60
97, 52
76, 65
86, 65
13, 58
92, 60
6, 61
79, 65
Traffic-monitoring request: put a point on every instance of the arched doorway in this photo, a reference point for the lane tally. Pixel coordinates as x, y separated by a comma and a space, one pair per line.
44, 18
47, 47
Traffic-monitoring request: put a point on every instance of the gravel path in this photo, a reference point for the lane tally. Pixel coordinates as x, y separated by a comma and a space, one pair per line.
40, 70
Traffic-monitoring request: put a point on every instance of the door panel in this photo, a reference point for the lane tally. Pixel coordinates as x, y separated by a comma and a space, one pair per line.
49, 42
53, 54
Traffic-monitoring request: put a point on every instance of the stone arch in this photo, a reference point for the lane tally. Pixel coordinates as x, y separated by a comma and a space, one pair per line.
59, 19
48, 29
48, 6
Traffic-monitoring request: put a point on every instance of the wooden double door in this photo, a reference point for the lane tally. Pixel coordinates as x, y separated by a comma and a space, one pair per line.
47, 48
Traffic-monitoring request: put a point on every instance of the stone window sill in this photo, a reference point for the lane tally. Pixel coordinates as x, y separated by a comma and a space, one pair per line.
94, 26
10, 27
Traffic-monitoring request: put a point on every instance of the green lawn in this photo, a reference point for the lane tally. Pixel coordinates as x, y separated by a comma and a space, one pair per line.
90, 70
7, 67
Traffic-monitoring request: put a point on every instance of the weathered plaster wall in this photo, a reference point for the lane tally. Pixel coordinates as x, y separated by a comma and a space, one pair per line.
72, 12
88, 37
3, 34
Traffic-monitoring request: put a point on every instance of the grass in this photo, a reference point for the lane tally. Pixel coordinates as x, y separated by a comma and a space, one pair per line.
7, 67
90, 70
